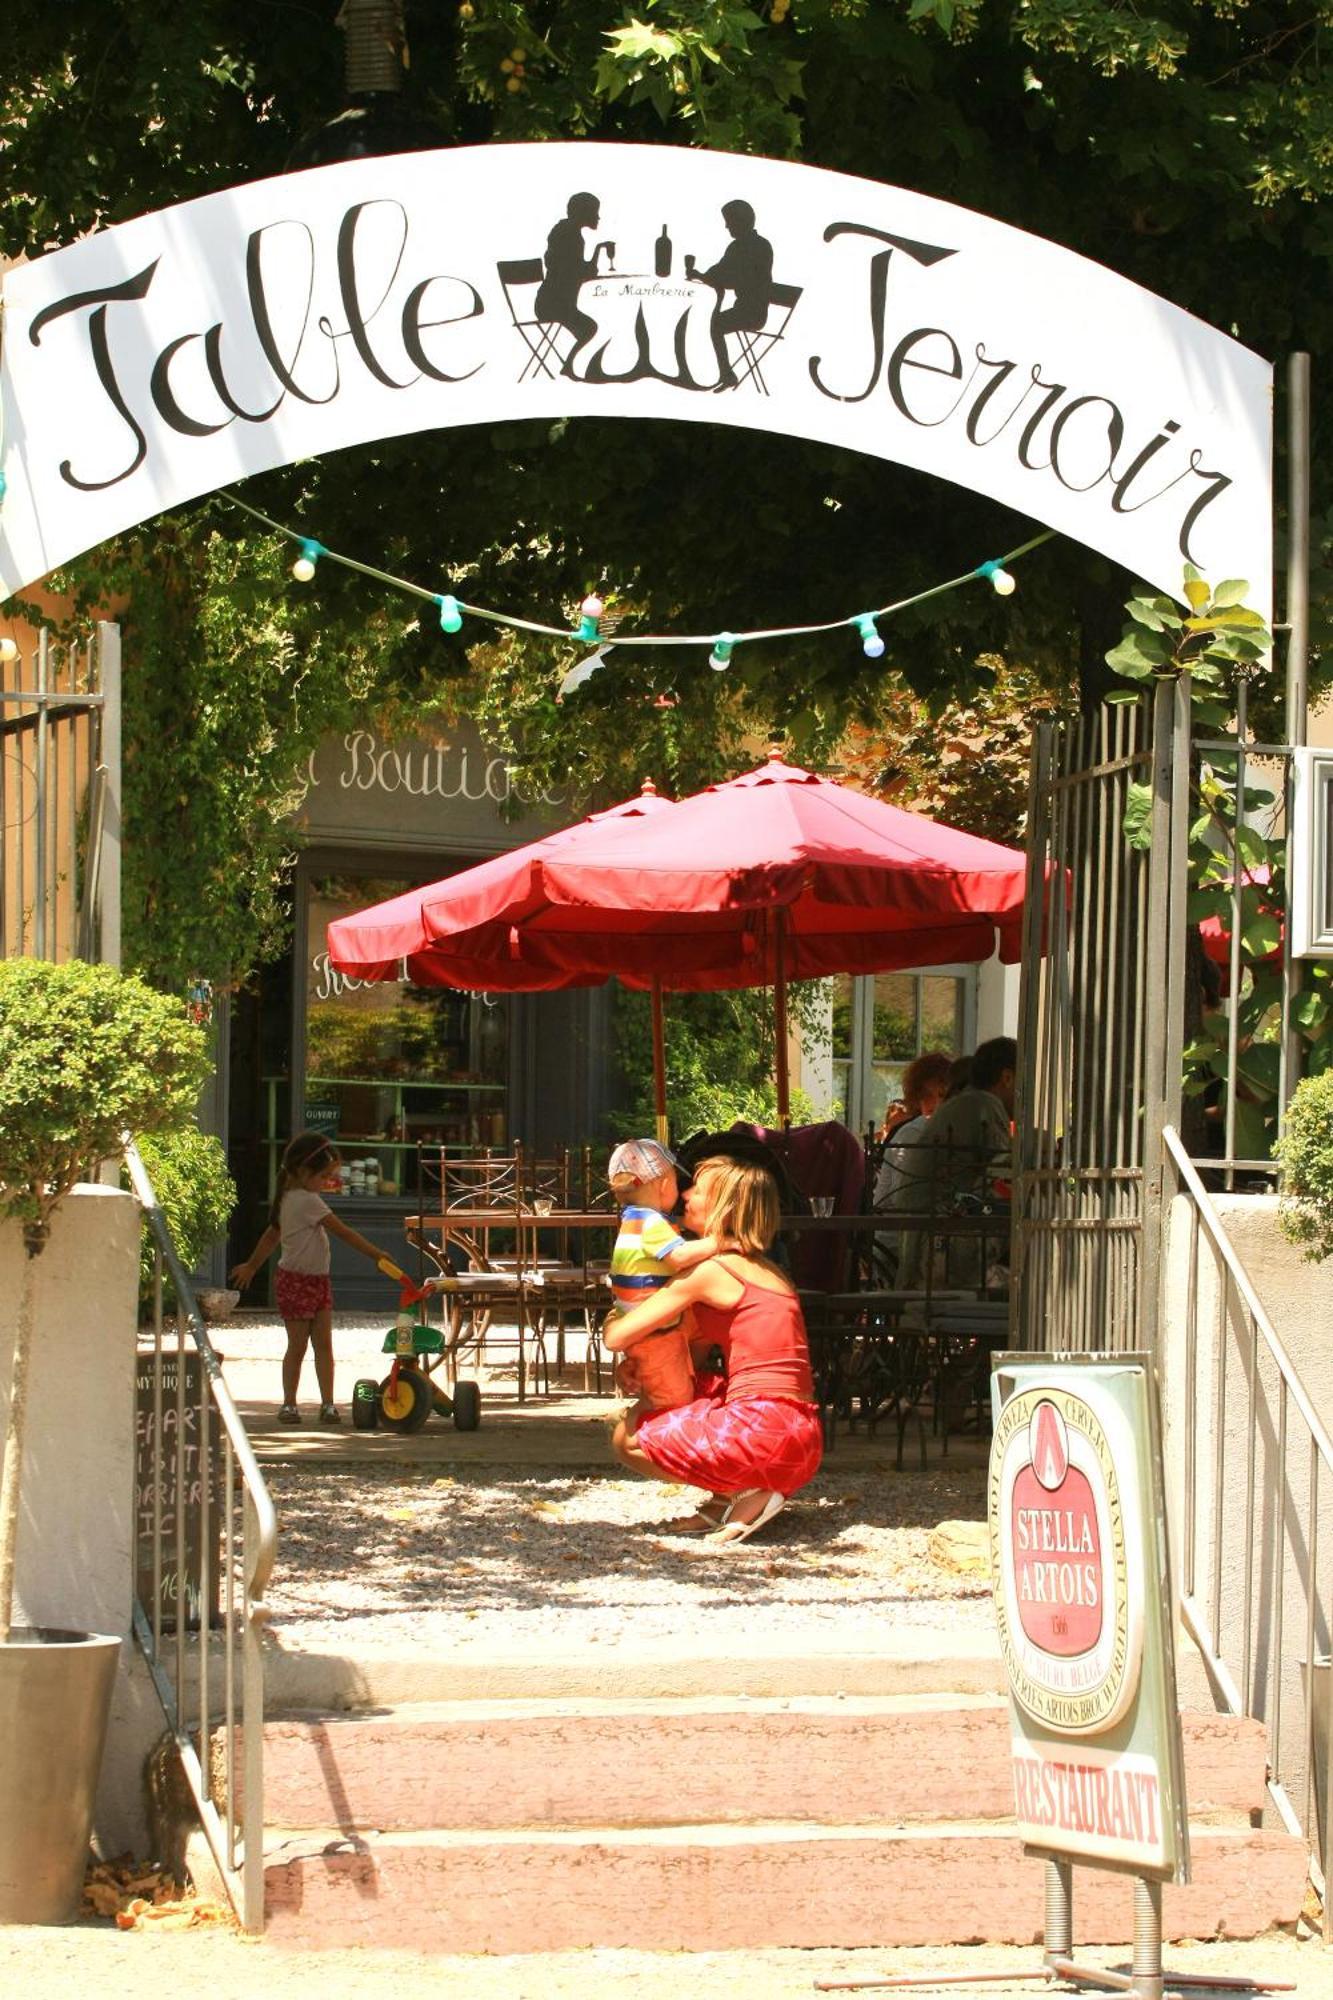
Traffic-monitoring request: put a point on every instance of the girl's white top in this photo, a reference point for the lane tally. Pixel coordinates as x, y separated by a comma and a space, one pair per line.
305, 1241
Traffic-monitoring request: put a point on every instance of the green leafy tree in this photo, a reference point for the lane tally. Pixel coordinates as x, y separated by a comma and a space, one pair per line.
719, 1057
1235, 831
87, 1054
1189, 147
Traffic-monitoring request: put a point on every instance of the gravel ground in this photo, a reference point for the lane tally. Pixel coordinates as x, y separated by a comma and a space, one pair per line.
448, 1550
370, 1556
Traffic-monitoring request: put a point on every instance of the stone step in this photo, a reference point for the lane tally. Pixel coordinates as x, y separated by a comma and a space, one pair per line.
560, 1763
888, 1659
725, 1888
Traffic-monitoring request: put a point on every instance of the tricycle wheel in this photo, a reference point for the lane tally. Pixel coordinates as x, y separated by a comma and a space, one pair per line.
365, 1404
467, 1406
405, 1406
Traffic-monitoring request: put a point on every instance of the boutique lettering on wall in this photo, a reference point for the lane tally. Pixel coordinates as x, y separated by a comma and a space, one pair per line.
362, 783
176, 354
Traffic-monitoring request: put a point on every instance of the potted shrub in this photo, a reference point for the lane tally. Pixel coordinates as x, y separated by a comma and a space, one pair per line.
86, 1055
1305, 1154
188, 1169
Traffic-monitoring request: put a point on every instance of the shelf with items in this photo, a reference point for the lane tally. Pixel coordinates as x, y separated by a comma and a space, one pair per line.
379, 1123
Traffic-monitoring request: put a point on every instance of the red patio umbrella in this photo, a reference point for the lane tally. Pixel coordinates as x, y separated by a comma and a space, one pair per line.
775, 875
782, 874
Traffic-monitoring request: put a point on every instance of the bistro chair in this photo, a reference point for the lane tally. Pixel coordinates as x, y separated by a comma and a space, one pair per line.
491, 1254
754, 346
541, 337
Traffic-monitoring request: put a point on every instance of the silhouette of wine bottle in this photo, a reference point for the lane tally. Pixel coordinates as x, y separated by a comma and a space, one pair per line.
662, 254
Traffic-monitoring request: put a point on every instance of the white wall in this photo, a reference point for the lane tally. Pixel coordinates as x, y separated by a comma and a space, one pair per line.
76, 1528
997, 1000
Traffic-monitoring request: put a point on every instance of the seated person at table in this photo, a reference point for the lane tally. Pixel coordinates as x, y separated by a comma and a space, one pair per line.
925, 1087
648, 1251
963, 1148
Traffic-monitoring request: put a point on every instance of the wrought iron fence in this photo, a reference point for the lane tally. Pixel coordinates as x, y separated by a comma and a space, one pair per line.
1098, 1034
207, 1538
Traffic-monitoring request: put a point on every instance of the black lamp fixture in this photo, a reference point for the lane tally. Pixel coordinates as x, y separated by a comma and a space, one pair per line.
375, 120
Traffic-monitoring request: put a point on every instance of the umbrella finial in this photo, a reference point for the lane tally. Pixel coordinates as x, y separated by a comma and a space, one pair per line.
648, 789
775, 750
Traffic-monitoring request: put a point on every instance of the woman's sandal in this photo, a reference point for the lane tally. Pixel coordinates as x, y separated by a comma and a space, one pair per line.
706, 1519
733, 1531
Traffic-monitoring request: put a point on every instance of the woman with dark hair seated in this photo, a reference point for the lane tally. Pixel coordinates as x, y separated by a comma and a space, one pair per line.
757, 1440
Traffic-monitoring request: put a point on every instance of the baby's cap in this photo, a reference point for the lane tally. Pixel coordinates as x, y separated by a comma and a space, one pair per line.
640, 1160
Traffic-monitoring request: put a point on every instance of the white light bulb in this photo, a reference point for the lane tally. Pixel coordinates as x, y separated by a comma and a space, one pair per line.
303, 569
1002, 583
9, 650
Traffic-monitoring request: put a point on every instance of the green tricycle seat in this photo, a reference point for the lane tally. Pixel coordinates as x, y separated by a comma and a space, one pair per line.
425, 1340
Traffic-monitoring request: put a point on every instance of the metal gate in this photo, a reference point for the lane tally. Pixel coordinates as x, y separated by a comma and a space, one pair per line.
1099, 1024
60, 799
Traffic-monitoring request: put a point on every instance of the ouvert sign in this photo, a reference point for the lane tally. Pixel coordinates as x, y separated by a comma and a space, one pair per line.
176, 354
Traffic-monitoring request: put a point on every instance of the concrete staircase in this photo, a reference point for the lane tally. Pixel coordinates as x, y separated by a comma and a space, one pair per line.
715, 1822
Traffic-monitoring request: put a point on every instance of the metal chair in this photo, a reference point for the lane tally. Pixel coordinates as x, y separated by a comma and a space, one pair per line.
753, 346
541, 337
491, 1259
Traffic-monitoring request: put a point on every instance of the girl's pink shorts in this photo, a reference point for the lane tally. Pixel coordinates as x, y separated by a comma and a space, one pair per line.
301, 1294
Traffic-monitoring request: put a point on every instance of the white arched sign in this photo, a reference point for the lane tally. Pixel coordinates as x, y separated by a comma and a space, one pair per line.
174, 355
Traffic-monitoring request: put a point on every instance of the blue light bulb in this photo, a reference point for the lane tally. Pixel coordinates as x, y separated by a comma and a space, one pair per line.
451, 618
871, 643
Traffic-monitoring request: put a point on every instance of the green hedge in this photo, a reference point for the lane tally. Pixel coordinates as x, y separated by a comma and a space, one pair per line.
1305, 1152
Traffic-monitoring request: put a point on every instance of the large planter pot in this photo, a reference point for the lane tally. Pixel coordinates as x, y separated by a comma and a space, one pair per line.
55, 1694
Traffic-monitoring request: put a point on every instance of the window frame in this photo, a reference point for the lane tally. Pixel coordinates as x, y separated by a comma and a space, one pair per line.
861, 1060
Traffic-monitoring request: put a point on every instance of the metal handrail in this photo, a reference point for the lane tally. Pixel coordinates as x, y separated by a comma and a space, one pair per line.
1273, 1567
1222, 1243
235, 1827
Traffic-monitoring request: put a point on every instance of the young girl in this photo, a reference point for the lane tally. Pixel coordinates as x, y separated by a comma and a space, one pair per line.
302, 1221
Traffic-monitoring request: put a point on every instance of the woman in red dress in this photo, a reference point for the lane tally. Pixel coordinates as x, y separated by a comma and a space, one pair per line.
756, 1440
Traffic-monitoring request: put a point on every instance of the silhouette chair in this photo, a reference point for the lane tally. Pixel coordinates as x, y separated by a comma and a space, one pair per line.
541, 337
753, 347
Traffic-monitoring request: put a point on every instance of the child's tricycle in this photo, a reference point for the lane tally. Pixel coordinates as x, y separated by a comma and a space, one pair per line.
407, 1395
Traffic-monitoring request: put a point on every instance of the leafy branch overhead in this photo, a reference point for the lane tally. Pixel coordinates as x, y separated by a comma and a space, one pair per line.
1237, 849
1217, 637
1186, 145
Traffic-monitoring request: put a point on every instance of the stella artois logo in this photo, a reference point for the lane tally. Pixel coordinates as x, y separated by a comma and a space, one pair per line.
1069, 1612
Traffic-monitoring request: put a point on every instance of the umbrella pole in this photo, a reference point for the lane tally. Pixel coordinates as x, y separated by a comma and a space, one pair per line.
781, 1077
659, 1063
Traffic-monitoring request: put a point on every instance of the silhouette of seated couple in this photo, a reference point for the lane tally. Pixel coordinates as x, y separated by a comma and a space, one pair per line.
745, 270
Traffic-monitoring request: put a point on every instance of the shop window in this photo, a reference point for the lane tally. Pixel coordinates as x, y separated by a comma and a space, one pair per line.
390, 1066
881, 1021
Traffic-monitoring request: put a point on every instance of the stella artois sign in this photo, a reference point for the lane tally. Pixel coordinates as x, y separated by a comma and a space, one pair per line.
1082, 1602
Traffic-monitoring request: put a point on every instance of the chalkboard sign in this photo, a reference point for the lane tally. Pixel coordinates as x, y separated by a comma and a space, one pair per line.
150, 1463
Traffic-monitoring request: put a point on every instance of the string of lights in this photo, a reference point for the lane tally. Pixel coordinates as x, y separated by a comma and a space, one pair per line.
453, 610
